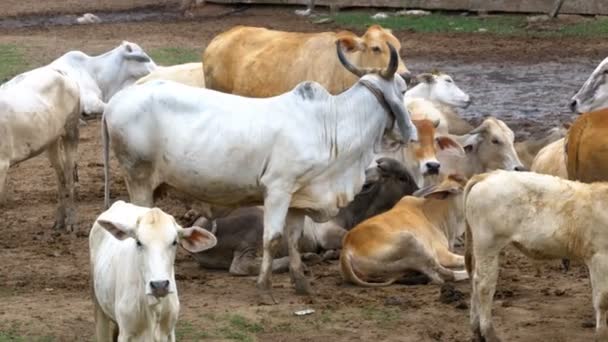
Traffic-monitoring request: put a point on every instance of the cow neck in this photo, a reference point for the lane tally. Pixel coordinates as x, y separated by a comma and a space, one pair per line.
379, 96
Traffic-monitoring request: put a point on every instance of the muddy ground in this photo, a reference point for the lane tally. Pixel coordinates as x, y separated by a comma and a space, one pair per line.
44, 275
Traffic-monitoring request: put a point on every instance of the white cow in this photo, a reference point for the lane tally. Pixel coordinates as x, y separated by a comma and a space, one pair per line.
302, 152
593, 95
132, 255
39, 112
434, 98
545, 217
189, 74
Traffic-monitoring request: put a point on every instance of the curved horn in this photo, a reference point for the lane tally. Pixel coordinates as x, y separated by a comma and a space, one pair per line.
356, 71
480, 128
392, 64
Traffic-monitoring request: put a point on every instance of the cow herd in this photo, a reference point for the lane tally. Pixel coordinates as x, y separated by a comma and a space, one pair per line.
306, 146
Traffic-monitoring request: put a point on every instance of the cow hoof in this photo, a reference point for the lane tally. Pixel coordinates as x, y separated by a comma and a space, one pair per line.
265, 297
303, 287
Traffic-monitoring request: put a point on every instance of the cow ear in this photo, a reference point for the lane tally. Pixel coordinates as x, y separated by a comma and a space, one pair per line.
352, 43
119, 230
196, 239
472, 142
425, 78
446, 143
443, 193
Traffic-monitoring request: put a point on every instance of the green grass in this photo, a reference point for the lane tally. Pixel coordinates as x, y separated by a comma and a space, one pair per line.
232, 327
173, 55
239, 328
185, 331
383, 317
12, 62
510, 25
11, 336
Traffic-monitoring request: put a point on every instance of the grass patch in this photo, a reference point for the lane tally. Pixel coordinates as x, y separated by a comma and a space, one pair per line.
185, 331
173, 55
12, 336
239, 328
383, 317
509, 25
12, 62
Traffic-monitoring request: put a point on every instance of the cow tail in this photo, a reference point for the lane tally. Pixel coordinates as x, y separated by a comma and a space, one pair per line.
469, 258
346, 268
572, 144
105, 138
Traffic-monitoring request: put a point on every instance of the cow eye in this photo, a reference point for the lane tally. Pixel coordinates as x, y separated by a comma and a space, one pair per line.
495, 141
376, 49
174, 242
138, 243
449, 81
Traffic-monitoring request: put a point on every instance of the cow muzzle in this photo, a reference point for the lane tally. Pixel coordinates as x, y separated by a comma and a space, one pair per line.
159, 288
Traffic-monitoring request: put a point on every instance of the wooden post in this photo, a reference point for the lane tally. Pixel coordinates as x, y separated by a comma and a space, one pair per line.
556, 8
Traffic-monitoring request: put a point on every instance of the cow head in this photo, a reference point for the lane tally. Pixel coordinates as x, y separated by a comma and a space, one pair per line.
122, 67
492, 145
385, 184
389, 86
593, 95
441, 88
371, 49
155, 237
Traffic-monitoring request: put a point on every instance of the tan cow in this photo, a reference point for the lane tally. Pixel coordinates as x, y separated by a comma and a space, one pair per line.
416, 234
189, 74
545, 217
257, 62
529, 148
586, 152
551, 160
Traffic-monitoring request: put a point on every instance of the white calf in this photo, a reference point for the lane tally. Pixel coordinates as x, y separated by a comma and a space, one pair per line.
132, 255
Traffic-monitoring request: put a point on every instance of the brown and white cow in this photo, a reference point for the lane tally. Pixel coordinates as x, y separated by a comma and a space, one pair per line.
240, 233
416, 234
587, 155
258, 62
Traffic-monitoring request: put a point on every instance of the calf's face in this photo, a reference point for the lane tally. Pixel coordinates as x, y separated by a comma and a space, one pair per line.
493, 144
155, 237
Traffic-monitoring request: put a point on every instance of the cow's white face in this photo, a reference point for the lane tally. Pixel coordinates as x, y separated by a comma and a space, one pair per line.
128, 64
441, 88
155, 238
593, 95
493, 144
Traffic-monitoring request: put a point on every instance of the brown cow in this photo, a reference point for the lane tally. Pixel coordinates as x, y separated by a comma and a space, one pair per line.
257, 62
586, 151
417, 234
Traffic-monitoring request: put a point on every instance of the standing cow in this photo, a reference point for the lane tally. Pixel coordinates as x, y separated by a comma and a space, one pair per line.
39, 112
258, 62
303, 153
132, 255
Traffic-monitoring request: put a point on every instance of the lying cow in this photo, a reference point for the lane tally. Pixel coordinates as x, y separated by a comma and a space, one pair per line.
189, 74
586, 153
132, 254
487, 147
39, 112
416, 234
545, 217
240, 234
303, 153
593, 94
258, 62
551, 160
434, 97
528, 149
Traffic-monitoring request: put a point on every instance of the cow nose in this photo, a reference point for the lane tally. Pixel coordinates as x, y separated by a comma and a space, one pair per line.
573, 105
159, 288
407, 77
433, 167
520, 168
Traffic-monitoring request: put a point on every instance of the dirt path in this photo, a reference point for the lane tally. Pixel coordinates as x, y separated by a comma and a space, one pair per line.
44, 275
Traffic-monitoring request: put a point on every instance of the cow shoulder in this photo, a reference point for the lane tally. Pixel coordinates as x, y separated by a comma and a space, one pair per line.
310, 91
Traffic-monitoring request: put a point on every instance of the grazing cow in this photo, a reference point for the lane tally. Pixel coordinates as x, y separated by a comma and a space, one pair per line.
593, 95
434, 98
551, 160
132, 255
240, 234
416, 234
39, 111
543, 216
528, 149
586, 153
487, 147
300, 153
258, 62
189, 74
420, 157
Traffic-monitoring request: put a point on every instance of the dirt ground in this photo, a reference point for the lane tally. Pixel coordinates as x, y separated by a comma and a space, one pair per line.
44, 275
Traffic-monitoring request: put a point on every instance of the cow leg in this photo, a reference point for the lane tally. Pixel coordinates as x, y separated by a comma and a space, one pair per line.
295, 226
598, 275
54, 154
4, 164
141, 191
70, 154
276, 205
449, 259
103, 325
485, 276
